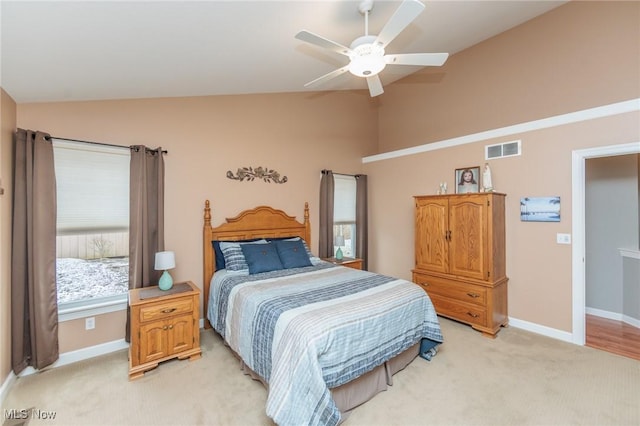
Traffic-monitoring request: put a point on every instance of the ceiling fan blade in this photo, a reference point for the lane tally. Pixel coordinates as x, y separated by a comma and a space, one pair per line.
423, 59
328, 76
404, 15
325, 43
375, 86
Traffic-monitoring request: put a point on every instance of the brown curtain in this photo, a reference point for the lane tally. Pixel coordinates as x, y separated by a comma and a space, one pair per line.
325, 239
146, 217
362, 221
34, 305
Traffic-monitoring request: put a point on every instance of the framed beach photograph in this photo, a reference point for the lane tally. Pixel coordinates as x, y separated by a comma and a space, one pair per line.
540, 209
468, 180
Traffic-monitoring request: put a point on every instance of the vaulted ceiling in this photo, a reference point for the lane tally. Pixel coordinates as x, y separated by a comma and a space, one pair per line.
88, 50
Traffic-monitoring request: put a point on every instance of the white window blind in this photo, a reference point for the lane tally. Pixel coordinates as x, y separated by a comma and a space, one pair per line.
92, 187
344, 199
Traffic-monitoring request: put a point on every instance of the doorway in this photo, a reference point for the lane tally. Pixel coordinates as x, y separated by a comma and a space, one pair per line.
578, 230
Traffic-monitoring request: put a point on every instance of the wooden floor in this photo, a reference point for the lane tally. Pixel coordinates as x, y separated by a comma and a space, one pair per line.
613, 336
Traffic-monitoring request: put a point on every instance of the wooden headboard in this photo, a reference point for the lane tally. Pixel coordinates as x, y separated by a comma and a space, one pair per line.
259, 222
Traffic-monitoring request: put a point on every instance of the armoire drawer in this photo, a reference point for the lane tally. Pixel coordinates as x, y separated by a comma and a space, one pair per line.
463, 292
464, 312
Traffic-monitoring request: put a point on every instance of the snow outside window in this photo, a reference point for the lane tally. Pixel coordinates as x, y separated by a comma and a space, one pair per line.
92, 243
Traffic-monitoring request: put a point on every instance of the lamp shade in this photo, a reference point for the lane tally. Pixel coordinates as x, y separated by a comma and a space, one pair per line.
339, 240
165, 260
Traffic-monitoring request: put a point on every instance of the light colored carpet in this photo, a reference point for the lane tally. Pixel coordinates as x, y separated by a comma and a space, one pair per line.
520, 378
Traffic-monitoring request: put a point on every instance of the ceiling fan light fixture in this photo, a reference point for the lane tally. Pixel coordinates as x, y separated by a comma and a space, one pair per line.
367, 53
366, 66
367, 58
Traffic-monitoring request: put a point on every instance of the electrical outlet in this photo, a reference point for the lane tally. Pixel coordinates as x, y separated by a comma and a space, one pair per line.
563, 238
90, 323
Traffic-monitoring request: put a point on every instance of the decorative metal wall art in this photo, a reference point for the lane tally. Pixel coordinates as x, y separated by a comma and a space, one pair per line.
264, 173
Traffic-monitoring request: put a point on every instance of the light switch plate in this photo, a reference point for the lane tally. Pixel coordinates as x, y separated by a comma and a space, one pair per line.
563, 238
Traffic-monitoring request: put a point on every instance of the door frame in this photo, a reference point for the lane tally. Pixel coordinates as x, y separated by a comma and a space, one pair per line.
578, 228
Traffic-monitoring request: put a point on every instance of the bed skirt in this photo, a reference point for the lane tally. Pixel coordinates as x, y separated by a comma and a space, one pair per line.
363, 388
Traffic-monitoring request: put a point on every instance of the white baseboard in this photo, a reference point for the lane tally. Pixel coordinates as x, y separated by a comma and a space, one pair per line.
565, 335
614, 316
542, 329
603, 314
86, 353
82, 354
90, 352
631, 321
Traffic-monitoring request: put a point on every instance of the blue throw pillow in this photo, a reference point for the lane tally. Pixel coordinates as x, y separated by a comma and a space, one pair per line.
233, 257
293, 254
261, 257
294, 239
219, 256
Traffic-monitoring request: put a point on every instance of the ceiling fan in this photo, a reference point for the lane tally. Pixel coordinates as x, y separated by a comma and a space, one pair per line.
366, 53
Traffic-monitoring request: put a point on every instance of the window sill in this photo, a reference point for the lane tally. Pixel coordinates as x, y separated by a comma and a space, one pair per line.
87, 308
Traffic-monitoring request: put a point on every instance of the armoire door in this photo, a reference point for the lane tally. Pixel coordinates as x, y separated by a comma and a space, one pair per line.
431, 245
468, 237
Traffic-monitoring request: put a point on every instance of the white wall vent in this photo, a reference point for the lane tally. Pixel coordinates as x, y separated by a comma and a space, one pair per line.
505, 149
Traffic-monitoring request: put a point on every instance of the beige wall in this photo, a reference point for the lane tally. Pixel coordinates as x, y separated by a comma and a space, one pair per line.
296, 134
579, 56
7, 126
73, 336
540, 286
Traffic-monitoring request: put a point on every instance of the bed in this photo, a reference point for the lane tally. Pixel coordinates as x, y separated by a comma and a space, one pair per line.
322, 338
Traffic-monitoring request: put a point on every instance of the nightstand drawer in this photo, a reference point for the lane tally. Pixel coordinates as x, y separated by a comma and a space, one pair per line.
162, 310
463, 292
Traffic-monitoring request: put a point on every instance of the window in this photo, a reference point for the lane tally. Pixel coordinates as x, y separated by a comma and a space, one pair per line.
344, 214
92, 243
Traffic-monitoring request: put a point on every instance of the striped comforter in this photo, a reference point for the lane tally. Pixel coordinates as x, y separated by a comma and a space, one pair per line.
310, 329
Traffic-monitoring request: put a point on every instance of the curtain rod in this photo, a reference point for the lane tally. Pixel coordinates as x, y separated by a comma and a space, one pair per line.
100, 143
341, 174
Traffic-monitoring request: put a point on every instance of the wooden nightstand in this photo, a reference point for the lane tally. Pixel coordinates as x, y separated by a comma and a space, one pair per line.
346, 261
164, 325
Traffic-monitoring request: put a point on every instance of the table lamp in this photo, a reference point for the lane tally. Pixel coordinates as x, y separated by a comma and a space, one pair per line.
165, 260
339, 243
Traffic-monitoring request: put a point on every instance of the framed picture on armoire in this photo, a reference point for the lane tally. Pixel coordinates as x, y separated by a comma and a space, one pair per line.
467, 180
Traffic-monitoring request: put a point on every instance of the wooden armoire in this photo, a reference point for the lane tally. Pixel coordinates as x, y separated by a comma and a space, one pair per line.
460, 257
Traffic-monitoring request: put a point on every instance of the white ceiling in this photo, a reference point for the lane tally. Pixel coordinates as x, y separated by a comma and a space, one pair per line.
87, 50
